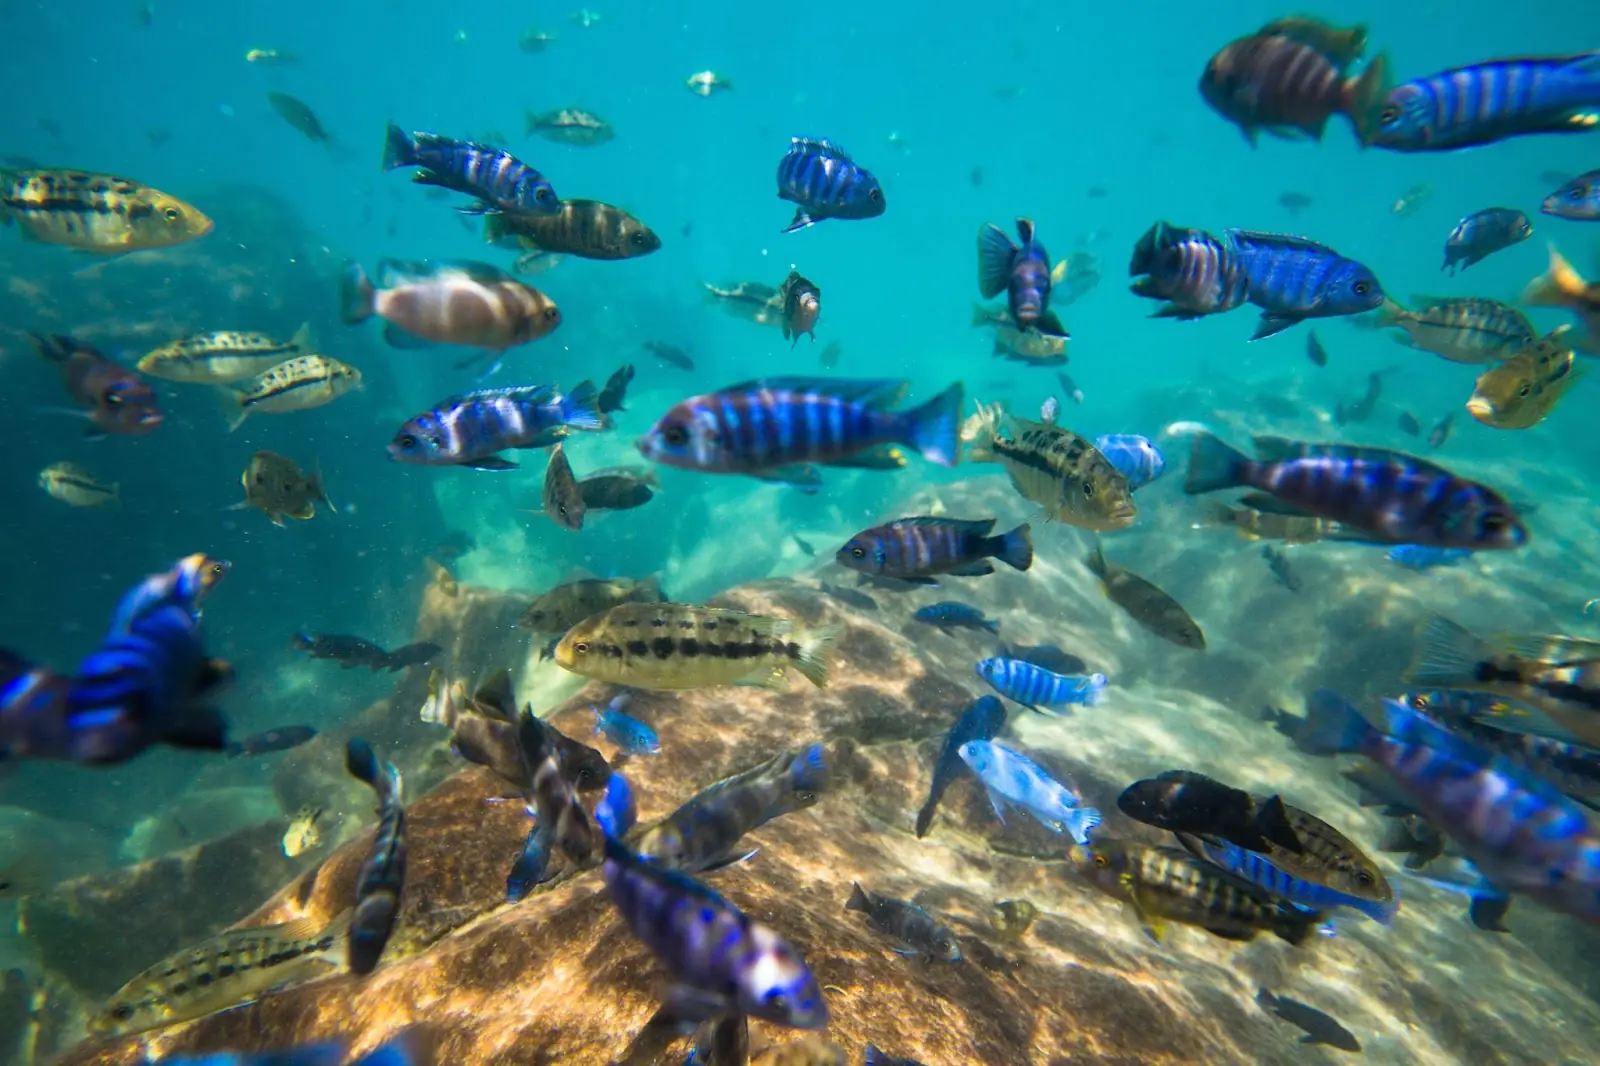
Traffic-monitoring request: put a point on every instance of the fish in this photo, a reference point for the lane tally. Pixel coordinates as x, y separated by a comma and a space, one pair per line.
569, 125
1412, 200
1010, 777
514, 745
1196, 273
1577, 199
1340, 45
1441, 431
1292, 279
1469, 330
1035, 687
1182, 801
1054, 467
983, 719
1485, 102
876, 1056
448, 301
618, 489
271, 57
302, 834
624, 730
916, 549
1391, 498
1278, 563
382, 877
830, 355
704, 833
75, 486
826, 183
1283, 79
1522, 391
1145, 603
706, 82
914, 929
1573, 768
1012, 918
276, 486
587, 229
804, 545
1315, 351
1481, 234
1520, 831
676, 646
802, 303
948, 615
269, 741
1267, 525
113, 399
805, 420
221, 357
535, 41
1421, 557
446, 701
1279, 877
1168, 884
563, 500
1294, 202
1021, 271
471, 428
299, 384
1320, 1028
670, 354
349, 652
1069, 387
234, 967
1361, 410
99, 213
1562, 286
564, 606
1031, 346
420, 653
1136, 457
498, 180
295, 112
1047, 656
614, 393
1408, 424
753, 301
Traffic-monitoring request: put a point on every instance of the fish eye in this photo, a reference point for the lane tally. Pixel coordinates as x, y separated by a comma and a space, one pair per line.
859, 552
1101, 862
1495, 522
777, 1001
1525, 390
113, 398
406, 442
1579, 192
1363, 877
1088, 490
545, 196
122, 1012
172, 214
675, 435
1363, 287
551, 314
581, 647
1390, 113
876, 195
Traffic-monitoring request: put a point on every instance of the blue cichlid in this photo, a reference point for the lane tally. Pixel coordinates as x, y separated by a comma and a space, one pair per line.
496, 178
1035, 687
467, 430
917, 931
1486, 102
1136, 457
532, 866
1519, 830
1196, 273
916, 549
1390, 497
1494, 724
982, 720
763, 426
1293, 279
623, 729
383, 875
826, 183
1259, 871
876, 1056
1483, 233
1021, 271
1422, 557
1011, 777
951, 615
1577, 200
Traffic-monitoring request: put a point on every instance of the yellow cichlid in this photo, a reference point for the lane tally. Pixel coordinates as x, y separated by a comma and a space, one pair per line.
1522, 391
1054, 467
221, 356
302, 834
297, 384
1563, 286
96, 212
75, 486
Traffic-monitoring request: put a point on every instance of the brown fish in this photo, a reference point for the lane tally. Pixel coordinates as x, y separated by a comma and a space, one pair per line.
96, 212
564, 606
276, 486
619, 489
588, 229
802, 303
1146, 604
1282, 82
563, 499
570, 126
114, 398
298, 115
1521, 391
448, 302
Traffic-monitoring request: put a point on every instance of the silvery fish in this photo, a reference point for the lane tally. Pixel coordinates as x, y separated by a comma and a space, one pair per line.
1012, 778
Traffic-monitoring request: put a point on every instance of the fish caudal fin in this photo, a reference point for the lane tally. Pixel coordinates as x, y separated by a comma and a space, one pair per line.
233, 408
1080, 822
355, 295
399, 150
1332, 726
933, 428
1447, 655
1363, 95
580, 408
1214, 465
816, 648
1560, 286
995, 255
1015, 549
858, 900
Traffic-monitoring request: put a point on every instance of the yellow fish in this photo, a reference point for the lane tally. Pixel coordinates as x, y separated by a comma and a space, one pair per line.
297, 384
96, 212
75, 486
221, 356
1562, 286
1521, 391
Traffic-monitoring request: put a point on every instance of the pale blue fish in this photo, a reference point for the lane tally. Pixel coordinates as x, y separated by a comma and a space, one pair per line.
1135, 456
1011, 777
1423, 557
1039, 689
623, 729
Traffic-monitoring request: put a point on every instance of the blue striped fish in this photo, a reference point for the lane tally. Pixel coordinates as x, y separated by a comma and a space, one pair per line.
1483, 233
1578, 199
1035, 687
1135, 456
1011, 777
467, 430
915, 549
826, 183
383, 874
496, 178
1196, 273
1486, 102
1259, 871
1292, 279
757, 427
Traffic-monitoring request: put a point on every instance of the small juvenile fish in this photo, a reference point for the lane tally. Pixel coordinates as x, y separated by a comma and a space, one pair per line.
1136, 457
1422, 557
1483, 233
563, 499
830, 355
802, 303
302, 834
98, 213
826, 183
983, 719
569, 126
1145, 603
271, 57
1069, 387
496, 178
624, 730
221, 356
707, 82
587, 229
1292, 279
1012, 778
276, 486
1412, 200
1035, 687
75, 486
1577, 200
382, 876
470, 428
1319, 1027
1522, 391
1022, 272
1470, 330
272, 740
1196, 273
114, 399
1294, 202
1408, 424
1315, 351
916, 549
909, 925
670, 354
448, 302
1013, 917
951, 615
1489, 101
299, 384
1562, 286
1441, 431
1054, 467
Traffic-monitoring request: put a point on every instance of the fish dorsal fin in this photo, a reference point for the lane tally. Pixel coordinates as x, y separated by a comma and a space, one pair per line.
875, 393
978, 526
396, 271
819, 144
483, 273
1277, 240
518, 393
1025, 230
496, 696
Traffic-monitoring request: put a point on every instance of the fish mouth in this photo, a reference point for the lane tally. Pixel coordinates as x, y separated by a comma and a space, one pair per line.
1480, 409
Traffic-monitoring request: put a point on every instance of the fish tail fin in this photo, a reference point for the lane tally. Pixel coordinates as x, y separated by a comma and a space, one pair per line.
1389, 313
399, 150
318, 489
1447, 655
995, 255
858, 899
1080, 822
1213, 465
925, 817
815, 649
1332, 725
617, 811
1015, 549
355, 295
1363, 93
362, 762
808, 772
302, 338
932, 428
232, 409
580, 408
1559, 286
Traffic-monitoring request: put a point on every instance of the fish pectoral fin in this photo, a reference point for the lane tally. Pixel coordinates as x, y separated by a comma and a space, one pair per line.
801, 221
493, 462
769, 677
1154, 926
731, 860
1272, 324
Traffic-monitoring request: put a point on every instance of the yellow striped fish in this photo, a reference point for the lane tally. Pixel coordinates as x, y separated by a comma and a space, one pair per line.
585, 228
671, 646
75, 486
1521, 391
221, 356
96, 212
1054, 467
297, 384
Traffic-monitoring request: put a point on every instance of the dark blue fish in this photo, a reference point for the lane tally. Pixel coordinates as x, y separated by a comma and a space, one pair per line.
532, 866
1388, 496
281, 739
467, 430
1196, 273
876, 1056
1022, 272
624, 730
1489, 721
614, 393
917, 931
1486, 102
1483, 233
983, 719
1292, 279
826, 183
763, 426
498, 179
950, 615
1319, 1027
915, 549
1578, 199
383, 874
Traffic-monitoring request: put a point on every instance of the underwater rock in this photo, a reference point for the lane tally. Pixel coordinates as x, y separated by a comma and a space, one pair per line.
197, 817
37, 852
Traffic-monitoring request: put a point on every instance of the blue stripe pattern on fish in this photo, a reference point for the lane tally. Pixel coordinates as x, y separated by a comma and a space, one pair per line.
1293, 279
915, 549
467, 430
826, 183
1135, 456
495, 177
1577, 200
1259, 870
383, 875
1422, 557
1037, 688
1011, 777
1022, 271
1481, 103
